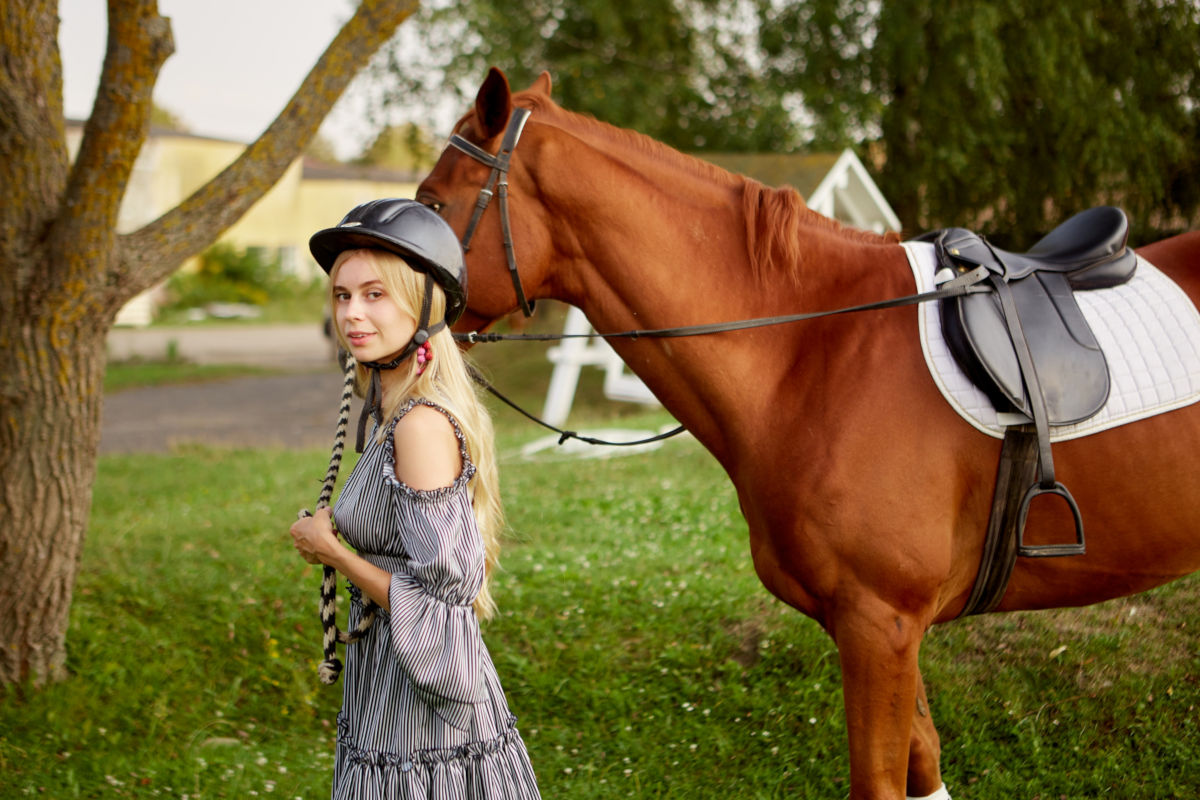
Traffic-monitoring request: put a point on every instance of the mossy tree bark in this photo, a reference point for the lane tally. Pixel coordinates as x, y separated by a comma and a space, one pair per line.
65, 271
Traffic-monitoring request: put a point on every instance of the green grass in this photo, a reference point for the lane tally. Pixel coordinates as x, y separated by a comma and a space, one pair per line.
635, 643
638, 648
132, 374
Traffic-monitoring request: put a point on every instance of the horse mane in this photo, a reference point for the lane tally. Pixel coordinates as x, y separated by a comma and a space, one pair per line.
780, 227
777, 219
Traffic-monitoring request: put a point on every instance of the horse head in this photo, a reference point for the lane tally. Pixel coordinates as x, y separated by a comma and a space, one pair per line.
469, 186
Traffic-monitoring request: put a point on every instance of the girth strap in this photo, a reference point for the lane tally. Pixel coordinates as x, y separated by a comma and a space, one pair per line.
1016, 471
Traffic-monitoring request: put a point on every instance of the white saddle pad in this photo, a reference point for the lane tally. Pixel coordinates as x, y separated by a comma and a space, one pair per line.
1148, 329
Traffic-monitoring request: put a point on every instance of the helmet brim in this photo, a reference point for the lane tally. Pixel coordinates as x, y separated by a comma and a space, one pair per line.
326, 245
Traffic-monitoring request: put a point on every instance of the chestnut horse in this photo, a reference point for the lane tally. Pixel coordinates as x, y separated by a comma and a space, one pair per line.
866, 495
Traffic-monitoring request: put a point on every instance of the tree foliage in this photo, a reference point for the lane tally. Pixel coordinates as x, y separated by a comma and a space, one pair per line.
1009, 115
166, 118
404, 147
680, 71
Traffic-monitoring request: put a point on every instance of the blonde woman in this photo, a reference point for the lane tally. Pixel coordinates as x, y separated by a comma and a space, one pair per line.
423, 713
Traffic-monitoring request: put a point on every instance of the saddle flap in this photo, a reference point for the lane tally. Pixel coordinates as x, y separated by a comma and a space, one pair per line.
1070, 365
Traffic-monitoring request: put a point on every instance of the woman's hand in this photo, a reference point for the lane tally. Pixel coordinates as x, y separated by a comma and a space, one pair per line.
314, 538
317, 543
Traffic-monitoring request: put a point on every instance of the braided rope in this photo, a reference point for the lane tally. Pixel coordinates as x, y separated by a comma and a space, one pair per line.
331, 666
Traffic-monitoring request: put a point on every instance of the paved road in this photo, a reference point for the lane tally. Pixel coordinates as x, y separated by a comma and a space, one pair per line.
295, 409
286, 346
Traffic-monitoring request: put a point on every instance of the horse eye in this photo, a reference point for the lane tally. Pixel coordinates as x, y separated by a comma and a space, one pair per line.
437, 207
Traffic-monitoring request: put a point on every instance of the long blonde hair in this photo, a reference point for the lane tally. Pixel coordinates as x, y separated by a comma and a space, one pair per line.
446, 382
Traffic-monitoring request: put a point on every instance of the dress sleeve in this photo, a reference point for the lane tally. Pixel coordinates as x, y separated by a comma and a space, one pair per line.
434, 631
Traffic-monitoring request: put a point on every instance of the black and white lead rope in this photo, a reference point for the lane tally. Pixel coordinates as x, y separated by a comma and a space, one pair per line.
331, 666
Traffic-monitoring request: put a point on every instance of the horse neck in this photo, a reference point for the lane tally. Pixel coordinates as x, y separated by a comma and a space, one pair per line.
648, 238
631, 218
638, 211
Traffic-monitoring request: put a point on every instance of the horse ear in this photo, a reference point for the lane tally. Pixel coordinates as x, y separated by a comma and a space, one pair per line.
541, 84
493, 104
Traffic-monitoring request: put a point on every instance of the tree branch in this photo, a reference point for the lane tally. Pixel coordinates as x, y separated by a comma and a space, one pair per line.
153, 252
139, 42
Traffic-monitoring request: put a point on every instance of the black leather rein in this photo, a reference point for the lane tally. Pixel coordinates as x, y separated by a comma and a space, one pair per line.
968, 283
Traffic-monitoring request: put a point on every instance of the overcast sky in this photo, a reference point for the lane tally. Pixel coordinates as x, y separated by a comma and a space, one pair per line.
236, 63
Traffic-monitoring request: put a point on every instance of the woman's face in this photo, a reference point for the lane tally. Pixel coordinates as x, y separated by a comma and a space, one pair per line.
371, 322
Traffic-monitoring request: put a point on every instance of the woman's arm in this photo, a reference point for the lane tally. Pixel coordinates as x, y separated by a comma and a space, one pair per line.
426, 457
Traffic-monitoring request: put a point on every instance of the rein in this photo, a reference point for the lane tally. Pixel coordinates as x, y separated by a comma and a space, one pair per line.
966, 283
564, 435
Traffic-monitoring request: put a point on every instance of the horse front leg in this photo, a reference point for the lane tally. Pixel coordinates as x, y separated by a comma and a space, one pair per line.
878, 647
924, 753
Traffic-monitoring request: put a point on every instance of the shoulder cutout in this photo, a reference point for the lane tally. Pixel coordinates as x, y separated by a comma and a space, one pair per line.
425, 449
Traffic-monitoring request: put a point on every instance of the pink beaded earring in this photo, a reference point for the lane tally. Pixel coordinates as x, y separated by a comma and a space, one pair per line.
424, 356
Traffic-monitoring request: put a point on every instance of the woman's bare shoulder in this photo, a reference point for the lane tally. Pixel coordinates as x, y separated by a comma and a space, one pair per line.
426, 449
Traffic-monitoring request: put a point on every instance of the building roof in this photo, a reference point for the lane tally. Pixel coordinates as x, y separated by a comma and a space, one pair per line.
802, 171
834, 184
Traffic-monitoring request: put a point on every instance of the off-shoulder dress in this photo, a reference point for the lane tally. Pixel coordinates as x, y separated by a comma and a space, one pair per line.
423, 713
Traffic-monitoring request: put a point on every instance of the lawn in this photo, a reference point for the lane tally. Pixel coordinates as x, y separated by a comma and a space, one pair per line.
638, 648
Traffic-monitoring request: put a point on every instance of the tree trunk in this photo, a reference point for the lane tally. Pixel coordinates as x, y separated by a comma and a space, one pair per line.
64, 273
48, 445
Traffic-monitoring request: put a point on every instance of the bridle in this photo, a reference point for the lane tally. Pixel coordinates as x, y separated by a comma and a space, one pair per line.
499, 180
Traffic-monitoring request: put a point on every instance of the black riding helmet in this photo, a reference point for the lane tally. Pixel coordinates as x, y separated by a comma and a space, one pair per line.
409, 229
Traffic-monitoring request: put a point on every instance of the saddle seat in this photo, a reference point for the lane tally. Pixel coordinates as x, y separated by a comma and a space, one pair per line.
1089, 248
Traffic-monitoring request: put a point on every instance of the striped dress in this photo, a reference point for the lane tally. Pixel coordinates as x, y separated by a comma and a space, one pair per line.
423, 715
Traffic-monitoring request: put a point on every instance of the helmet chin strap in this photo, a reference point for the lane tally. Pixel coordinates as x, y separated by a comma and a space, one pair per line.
373, 405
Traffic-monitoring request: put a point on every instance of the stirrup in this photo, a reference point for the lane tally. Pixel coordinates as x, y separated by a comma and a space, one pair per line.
1050, 550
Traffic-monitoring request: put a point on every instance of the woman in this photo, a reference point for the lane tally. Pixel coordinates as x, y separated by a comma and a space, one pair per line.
423, 714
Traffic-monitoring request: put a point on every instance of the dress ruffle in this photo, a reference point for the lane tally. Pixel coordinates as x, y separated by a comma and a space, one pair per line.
497, 769
389, 459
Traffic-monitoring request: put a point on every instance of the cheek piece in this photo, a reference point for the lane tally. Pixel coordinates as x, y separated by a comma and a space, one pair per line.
372, 407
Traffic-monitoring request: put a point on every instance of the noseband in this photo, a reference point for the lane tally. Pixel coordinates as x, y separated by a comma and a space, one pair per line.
499, 180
